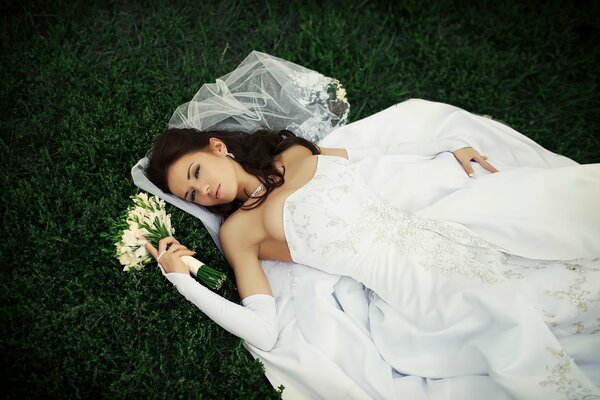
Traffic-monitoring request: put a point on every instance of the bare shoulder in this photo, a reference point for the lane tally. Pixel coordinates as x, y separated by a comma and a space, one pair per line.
294, 153
241, 230
300, 152
330, 151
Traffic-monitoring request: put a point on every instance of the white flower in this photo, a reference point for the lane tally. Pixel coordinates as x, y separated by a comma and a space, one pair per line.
136, 214
143, 196
161, 215
141, 200
122, 248
125, 259
167, 224
137, 267
131, 238
133, 225
141, 252
149, 219
340, 94
142, 232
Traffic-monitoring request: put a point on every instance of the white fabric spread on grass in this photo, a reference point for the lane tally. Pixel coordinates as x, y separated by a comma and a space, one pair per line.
534, 206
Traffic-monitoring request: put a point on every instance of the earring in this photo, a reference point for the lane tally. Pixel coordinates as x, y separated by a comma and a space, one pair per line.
229, 154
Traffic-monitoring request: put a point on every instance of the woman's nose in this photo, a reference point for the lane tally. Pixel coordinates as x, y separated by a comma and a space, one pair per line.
205, 189
202, 189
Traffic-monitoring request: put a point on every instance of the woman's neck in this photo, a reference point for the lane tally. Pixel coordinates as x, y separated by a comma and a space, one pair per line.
248, 183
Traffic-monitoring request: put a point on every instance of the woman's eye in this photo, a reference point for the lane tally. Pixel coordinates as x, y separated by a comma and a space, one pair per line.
193, 195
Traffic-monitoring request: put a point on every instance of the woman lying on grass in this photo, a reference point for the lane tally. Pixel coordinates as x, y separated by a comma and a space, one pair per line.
480, 279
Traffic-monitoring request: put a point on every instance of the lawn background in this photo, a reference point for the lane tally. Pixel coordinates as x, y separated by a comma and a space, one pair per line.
87, 86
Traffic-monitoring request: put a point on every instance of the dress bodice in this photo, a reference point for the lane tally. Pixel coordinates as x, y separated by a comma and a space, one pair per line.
336, 223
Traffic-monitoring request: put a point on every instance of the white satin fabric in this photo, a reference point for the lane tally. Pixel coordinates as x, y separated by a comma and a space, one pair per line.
443, 302
540, 205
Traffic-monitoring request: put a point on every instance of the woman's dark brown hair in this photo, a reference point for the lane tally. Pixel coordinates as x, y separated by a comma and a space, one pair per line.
253, 151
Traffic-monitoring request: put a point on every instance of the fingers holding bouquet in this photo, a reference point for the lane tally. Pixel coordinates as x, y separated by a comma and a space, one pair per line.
170, 258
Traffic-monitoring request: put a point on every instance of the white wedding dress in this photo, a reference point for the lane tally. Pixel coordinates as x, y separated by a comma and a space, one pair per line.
519, 325
340, 340
458, 304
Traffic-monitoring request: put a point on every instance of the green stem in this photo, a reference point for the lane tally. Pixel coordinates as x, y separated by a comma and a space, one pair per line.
211, 277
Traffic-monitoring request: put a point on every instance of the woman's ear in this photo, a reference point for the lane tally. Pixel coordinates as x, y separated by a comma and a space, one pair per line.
217, 145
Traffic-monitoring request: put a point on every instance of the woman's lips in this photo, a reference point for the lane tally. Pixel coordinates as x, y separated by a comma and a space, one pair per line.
218, 192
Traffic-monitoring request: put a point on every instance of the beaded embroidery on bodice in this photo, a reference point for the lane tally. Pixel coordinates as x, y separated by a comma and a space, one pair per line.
336, 223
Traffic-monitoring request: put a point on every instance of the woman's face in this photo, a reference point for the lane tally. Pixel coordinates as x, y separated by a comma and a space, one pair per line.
206, 177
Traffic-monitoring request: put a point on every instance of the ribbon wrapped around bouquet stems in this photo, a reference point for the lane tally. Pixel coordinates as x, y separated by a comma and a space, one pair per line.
207, 275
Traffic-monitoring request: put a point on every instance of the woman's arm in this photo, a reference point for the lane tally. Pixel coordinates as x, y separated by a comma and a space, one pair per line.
241, 251
255, 321
427, 148
423, 148
463, 153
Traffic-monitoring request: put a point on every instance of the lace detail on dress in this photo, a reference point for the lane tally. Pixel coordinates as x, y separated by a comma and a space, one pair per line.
301, 228
410, 234
565, 292
576, 294
560, 380
361, 216
580, 328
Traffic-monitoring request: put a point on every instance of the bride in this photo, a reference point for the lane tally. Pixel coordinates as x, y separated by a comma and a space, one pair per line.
454, 288
250, 179
212, 176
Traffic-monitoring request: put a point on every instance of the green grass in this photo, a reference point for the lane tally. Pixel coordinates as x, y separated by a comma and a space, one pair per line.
86, 88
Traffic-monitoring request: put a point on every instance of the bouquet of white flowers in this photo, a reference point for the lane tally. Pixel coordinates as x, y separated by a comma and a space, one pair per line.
147, 217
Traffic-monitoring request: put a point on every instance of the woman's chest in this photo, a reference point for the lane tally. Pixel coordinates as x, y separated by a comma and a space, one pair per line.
297, 176
265, 224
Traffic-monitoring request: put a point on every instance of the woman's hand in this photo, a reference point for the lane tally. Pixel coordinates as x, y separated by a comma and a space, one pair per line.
170, 259
468, 154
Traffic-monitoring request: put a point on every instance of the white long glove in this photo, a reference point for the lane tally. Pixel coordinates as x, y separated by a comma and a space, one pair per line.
255, 321
428, 148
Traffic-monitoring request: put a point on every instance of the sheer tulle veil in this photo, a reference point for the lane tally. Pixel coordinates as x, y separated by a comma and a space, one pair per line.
262, 92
